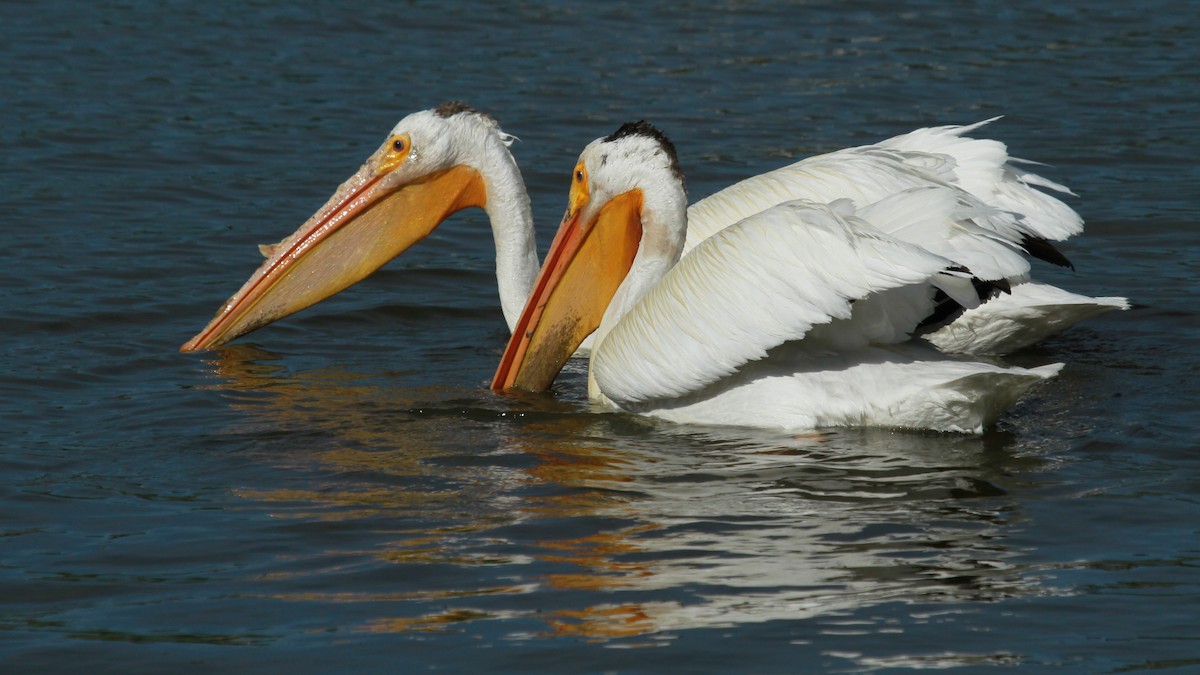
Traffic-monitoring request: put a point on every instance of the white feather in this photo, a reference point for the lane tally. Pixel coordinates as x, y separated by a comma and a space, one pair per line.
900, 386
903, 186
1030, 314
758, 284
798, 316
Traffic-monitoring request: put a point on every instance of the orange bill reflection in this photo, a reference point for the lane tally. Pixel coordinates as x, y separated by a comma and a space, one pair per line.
580, 522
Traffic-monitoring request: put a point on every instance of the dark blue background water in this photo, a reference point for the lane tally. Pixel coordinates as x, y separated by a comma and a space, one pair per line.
341, 492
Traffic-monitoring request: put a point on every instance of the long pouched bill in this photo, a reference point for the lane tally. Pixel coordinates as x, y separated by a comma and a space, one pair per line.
362, 227
586, 264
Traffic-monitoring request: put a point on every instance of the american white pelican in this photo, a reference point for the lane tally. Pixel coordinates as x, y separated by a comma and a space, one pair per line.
797, 317
434, 163
439, 161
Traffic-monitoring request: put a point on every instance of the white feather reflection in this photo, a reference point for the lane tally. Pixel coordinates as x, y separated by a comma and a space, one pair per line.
622, 528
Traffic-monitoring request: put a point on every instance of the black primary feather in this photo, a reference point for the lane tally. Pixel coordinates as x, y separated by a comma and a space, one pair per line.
946, 310
1043, 250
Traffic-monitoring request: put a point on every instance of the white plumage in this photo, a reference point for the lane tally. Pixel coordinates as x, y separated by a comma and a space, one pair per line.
997, 211
771, 278
1030, 314
837, 301
798, 316
995, 194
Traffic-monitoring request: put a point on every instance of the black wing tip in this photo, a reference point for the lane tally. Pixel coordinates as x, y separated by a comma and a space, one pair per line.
985, 289
1042, 249
988, 289
946, 310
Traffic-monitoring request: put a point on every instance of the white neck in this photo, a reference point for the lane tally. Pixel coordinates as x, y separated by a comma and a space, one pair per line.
512, 227
664, 224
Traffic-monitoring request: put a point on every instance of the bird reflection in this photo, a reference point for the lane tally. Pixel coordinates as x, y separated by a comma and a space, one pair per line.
619, 527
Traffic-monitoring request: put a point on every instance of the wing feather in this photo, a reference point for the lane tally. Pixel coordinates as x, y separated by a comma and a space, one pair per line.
863, 175
1006, 194
947, 221
984, 168
767, 280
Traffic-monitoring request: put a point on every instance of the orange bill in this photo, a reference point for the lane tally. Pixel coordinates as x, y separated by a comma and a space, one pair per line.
366, 223
586, 264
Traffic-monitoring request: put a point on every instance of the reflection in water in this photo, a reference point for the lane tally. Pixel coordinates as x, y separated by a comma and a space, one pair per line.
758, 529
622, 527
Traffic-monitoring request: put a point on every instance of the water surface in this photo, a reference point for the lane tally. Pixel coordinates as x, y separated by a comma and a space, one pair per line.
340, 491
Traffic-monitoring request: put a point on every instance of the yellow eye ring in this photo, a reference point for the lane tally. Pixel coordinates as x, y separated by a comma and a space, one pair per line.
580, 194
395, 152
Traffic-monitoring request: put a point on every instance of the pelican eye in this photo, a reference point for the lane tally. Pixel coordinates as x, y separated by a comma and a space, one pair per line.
579, 176
398, 145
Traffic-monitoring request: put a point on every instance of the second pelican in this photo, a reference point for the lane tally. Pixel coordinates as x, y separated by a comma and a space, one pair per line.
800, 316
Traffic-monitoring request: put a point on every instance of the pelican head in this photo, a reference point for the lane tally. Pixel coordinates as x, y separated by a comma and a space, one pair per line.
429, 167
624, 227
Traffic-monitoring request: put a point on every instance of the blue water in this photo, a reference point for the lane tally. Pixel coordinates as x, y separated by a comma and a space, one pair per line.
340, 491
